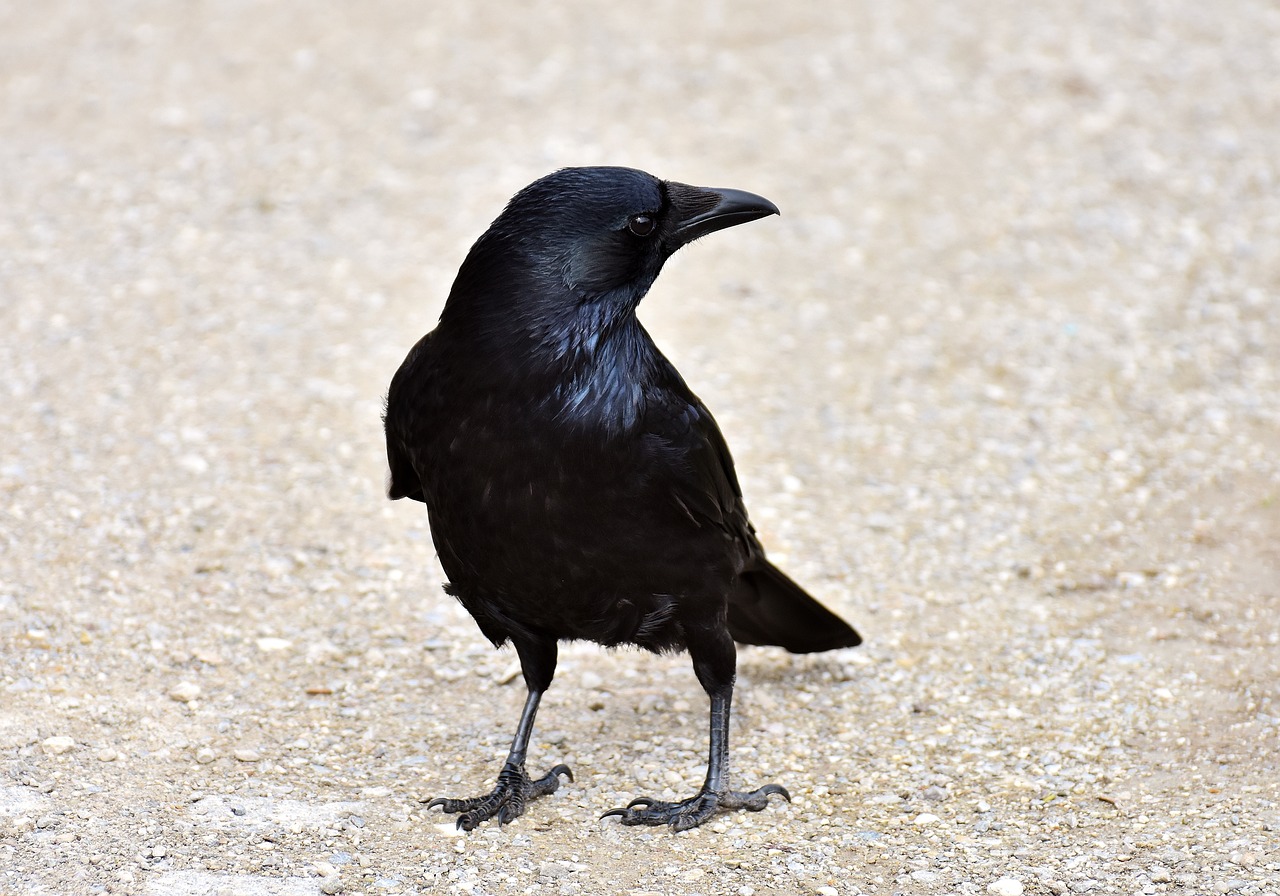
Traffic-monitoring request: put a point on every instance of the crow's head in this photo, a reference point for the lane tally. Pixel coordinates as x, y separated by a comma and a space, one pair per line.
593, 236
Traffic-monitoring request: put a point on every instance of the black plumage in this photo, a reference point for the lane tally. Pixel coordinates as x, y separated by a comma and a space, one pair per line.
576, 487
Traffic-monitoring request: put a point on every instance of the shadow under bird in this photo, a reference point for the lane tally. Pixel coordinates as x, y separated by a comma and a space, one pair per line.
576, 488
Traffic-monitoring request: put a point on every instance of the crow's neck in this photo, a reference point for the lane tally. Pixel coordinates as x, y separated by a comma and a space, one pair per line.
588, 367
585, 359
603, 370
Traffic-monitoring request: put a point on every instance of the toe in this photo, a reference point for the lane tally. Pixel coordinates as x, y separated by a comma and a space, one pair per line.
754, 800
775, 788
506, 802
548, 783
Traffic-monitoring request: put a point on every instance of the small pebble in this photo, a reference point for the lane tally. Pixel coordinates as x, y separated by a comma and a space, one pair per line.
58, 744
184, 692
926, 818
553, 870
247, 755
1005, 886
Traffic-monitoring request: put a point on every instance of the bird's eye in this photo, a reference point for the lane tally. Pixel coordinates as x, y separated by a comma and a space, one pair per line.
641, 225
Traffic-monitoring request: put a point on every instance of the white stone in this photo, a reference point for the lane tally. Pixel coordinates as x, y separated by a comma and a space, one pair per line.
58, 744
1005, 886
184, 692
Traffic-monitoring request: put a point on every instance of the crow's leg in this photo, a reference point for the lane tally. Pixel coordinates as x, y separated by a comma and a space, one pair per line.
515, 788
714, 659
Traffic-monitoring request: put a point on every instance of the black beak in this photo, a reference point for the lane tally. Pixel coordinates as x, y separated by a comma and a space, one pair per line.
699, 210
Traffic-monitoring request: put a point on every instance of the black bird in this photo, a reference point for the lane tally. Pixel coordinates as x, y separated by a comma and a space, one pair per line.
576, 487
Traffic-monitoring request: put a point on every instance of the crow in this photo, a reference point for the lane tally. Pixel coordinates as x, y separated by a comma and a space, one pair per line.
575, 487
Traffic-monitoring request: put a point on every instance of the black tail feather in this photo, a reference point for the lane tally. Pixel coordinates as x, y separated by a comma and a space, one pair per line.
766, 607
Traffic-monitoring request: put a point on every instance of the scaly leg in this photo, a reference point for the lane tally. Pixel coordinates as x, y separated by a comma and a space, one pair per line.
515, 788
714, 658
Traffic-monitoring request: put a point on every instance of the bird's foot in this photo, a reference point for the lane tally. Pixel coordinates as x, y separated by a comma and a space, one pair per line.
697, 809
506, 802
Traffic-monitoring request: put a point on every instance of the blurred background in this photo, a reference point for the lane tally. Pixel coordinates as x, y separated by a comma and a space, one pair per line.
1001, 382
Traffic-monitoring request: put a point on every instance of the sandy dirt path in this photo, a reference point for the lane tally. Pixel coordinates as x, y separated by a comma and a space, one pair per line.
1003, 385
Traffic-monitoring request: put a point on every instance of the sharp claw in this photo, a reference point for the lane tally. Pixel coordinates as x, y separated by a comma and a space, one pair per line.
683, 823
640, 801
621, 813
561, 770
775, 788
437, 801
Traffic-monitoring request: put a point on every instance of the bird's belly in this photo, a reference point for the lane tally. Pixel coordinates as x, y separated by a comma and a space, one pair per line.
574, 546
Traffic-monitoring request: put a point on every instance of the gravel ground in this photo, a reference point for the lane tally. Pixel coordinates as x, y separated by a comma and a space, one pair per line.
1003, 384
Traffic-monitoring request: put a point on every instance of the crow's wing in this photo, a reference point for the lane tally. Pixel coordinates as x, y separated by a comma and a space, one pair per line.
698, 469
765, 606
408, 401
